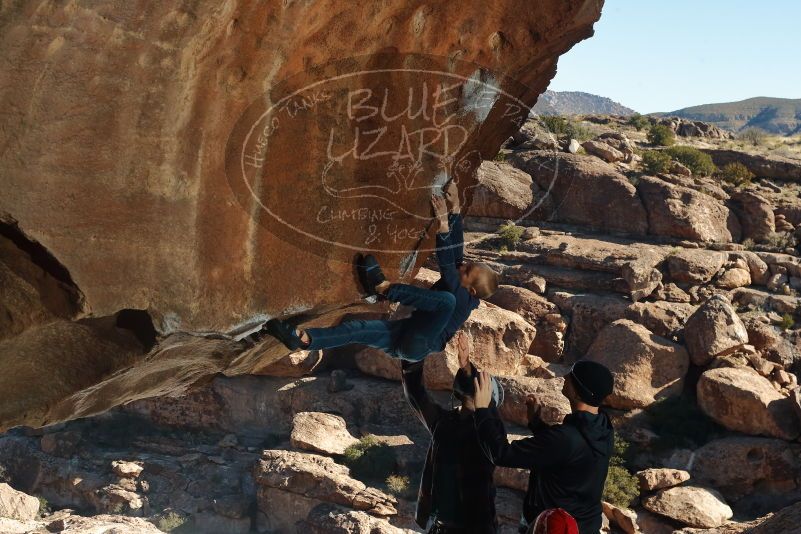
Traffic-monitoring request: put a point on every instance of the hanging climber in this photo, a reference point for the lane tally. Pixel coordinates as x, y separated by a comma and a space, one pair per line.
438, 314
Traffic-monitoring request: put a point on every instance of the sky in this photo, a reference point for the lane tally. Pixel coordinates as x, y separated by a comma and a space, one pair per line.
664, 55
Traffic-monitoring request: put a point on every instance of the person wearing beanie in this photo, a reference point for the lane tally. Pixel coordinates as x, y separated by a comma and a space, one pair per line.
554, 521
457, 492
568, 461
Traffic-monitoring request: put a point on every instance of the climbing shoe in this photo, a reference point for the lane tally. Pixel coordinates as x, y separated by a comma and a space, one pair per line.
283, 332
370, 274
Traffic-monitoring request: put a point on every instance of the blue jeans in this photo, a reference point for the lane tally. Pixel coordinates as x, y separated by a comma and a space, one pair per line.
408, 339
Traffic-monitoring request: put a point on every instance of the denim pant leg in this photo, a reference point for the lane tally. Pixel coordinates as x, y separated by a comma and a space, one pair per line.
421, 332
379, 334
421, 298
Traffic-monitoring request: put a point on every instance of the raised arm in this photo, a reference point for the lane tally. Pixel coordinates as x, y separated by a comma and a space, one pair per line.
543, 449
456, 236
445, 251
426, 409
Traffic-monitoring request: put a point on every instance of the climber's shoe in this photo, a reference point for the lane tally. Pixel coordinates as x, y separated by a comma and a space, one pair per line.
284, 332
370, 274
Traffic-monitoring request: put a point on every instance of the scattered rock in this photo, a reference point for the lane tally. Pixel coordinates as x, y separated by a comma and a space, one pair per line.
17, 505
734, 278
738, 466
126, 469
693, 506
291, 484
502, 191
684, 213
603, 151
321, 432
646, 367
714, 330
742, 400
295, 364
661, 478
695, 266
623, 518
546, 392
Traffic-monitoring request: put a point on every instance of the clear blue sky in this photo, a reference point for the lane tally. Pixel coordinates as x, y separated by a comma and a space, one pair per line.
663, 55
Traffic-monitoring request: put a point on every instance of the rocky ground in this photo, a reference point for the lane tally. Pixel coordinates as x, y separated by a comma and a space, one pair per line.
684, 285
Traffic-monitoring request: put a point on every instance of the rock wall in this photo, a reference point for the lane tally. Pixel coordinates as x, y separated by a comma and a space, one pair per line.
216, 164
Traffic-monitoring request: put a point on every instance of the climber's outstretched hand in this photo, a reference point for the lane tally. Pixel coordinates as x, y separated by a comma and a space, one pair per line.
452, 197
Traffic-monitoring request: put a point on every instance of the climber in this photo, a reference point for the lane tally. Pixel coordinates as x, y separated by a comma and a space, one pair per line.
438, 312
457, 493
568, 461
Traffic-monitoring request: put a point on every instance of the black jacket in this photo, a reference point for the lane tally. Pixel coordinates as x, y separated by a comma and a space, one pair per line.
568, 463
458, 469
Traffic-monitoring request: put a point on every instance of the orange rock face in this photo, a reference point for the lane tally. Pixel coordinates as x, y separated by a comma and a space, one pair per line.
220, 163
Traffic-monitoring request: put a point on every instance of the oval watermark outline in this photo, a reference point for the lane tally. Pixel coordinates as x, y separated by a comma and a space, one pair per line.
241, 158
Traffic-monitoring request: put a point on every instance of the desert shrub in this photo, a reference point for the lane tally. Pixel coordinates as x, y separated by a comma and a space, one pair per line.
698, 162
510, 235
44, 506
370, 459
655, 161
736, 174
639, 122
564, 127
749, 244
661, 135
500, 156
681, 423
787, 322
754, 136
555, 124
780, 240
170, 521
400, 486
621, 487
575, 130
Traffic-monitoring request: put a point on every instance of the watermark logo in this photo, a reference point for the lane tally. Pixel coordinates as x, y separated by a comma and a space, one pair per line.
345, 156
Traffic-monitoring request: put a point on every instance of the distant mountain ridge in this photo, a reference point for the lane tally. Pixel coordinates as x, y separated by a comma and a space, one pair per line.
578, 103
775, 115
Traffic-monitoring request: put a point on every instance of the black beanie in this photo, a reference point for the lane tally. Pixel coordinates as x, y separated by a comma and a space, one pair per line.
593, 381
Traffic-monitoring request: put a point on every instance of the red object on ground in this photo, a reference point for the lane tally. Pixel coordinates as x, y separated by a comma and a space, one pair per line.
555, 521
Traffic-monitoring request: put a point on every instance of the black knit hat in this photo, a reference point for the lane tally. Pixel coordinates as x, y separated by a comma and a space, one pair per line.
593, 381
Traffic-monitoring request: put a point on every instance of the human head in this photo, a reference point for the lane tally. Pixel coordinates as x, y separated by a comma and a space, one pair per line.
479, 279
555, 521
464, 388
588, 383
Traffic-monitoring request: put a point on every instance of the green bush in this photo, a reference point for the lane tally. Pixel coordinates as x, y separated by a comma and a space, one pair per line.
755, 136
563, 127
787, 322
781, 240
44, 506
661, 135
170, 521
639, 122
621, 487
510, 235
679, 422
555, 124
500, 156
370, 459
736, 174
400, 486
655, 161
698, 162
